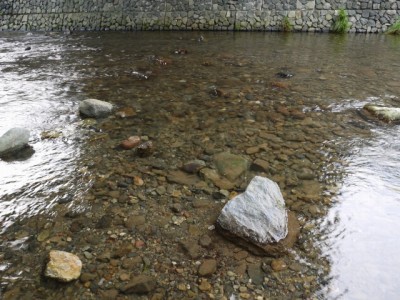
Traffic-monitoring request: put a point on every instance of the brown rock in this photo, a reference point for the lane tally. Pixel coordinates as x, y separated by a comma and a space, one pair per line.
131, 263
241, 255
142, 284
183, 178
133, 221
204, 285
191, 248
260, 165
108, 294
208, 267
126, 112
278, 265
130, 142
213, 176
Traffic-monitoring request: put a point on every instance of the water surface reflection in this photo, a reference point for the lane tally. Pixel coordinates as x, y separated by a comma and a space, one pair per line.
363, 244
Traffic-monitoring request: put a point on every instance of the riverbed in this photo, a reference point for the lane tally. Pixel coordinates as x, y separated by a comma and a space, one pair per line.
290, 103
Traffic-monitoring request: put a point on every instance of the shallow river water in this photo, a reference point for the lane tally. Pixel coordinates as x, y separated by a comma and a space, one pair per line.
294, 101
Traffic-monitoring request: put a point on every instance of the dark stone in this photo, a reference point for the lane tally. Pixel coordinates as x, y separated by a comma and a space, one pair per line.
256, 273
104, 222
142, 284
284, 74
145, 149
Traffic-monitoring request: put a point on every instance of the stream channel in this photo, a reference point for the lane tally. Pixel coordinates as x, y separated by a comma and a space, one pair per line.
292, 101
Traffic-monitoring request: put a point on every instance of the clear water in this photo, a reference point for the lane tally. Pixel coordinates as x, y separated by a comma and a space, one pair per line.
334, 77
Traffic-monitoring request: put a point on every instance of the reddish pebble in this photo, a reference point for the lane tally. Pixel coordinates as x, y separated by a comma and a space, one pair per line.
139, 244
131, 142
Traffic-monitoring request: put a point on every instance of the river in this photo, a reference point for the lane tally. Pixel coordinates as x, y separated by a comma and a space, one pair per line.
195, 94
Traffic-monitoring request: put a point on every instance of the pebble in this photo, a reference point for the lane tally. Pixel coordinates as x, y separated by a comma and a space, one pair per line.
278, 265
204, 285
145, 149
208, 267
141, 284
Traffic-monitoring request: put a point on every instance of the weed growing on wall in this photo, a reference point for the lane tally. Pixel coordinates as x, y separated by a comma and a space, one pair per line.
394, 28
286, 25
341, 23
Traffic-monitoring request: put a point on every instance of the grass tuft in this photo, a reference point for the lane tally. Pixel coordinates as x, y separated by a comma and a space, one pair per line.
286, 25
394, 28
341, 23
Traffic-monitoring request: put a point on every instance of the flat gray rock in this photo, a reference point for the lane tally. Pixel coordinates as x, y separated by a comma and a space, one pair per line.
258, 215
14, 140
94, 108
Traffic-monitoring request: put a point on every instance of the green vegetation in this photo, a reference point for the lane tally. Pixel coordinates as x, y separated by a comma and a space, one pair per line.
286, 25
394, 28
341, 23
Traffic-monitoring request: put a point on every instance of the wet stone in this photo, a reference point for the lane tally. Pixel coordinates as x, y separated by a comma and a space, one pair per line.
94, 108
193, 166
204, 285
208, 267
256, 273
182, 178
230, 165
205, 241
278, 265
258, 215
63, 266
260, 165
145, 149
192, 249
130, 142
108, 294
142, 284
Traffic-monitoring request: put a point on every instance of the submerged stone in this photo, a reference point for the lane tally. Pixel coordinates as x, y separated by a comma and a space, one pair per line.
388, 114
13, 140
230, 165
141, 284
258, 220
94, 108
63, 266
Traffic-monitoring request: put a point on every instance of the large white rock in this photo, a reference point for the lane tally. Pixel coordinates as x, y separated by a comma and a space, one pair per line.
258, 215
63, 266
389, 114
94, 108
14, 140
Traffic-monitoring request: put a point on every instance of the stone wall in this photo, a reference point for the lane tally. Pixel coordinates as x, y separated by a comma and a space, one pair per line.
305, 15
